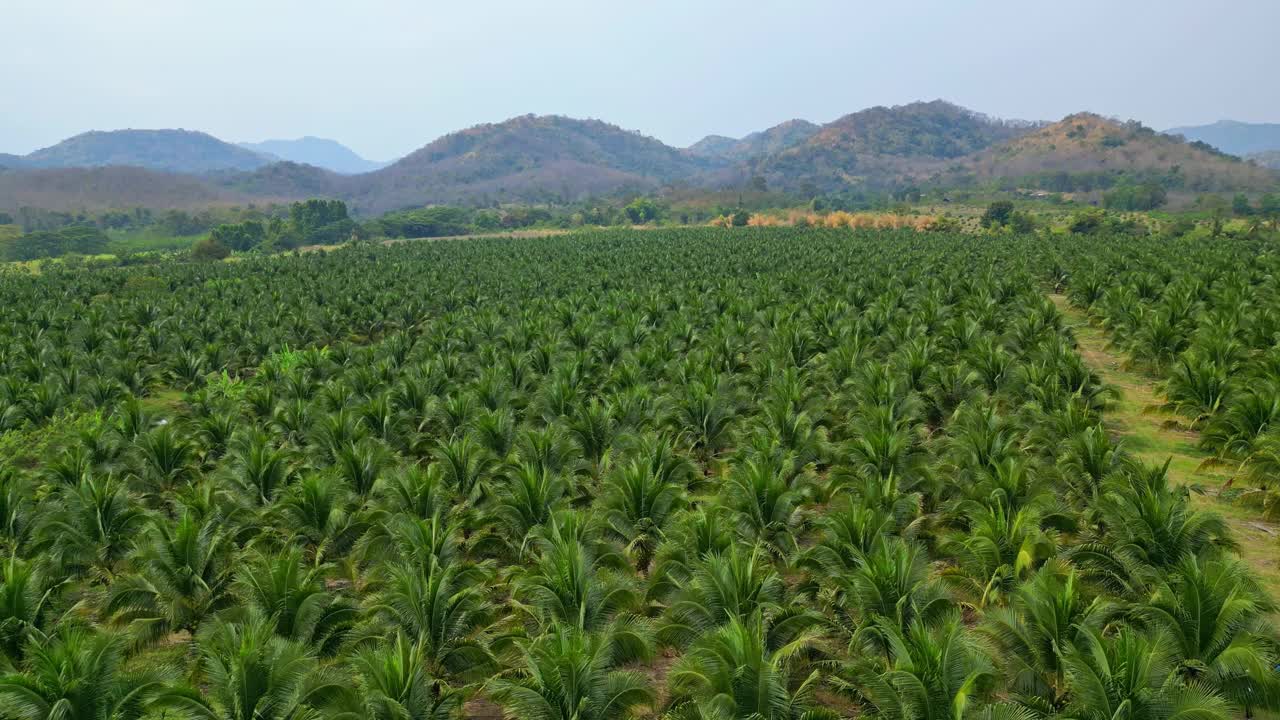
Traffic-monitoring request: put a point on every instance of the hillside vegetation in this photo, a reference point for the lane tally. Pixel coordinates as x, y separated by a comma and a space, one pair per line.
75, 189
882, 146
179, 151
554, 159
765, 142
529, 157
1090, 144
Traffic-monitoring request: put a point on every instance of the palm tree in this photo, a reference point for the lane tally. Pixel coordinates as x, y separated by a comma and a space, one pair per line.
254, 674
1030, 636
182, 575
318, 510
260, 470
639, 502
1234, 431
1001, 547
78, 674
168, 459
526, 499
91, 525
396, 684
594, 429
446, 608
569, 674
892, 585
294, 601
415, 490
466, 466
1155, 524
704, 413
570, 584
1091, 458
1214, 614
1196, 388
26, 594
1132, 674
722, 587
931, 673
15, 510
767, 504
736, 672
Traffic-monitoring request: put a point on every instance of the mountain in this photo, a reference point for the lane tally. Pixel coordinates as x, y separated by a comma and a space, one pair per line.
1231, 136
879, 146
530, 158
765, 142
1089, 143
320, 152
554, 159
183, 151
1268, 159
713, 146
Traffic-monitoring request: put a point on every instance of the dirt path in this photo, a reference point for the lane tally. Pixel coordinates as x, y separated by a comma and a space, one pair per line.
1145, 433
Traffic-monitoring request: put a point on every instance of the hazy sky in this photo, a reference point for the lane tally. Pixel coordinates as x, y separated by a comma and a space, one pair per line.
387, 76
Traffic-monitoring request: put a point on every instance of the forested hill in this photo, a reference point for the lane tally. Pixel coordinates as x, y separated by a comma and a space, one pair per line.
182, 151
765, 142
882, 145
1086, 145
528, 157
559, 159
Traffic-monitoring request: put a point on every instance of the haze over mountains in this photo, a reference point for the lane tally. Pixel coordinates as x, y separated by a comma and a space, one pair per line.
1259, 142
185, 151
320, 152
553, 158
1232, 136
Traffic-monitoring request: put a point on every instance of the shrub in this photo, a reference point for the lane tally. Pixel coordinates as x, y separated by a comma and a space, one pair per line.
209, 249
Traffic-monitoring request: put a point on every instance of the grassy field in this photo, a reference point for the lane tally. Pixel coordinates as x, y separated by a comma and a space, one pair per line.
133, 241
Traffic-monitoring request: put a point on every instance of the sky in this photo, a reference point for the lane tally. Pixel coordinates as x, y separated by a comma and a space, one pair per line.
388, 76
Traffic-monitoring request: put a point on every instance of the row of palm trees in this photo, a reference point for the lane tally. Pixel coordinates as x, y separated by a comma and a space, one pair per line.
699, 474
1204, 318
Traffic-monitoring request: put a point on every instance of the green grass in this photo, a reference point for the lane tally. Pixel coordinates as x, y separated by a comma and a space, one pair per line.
124, 242
1149, 433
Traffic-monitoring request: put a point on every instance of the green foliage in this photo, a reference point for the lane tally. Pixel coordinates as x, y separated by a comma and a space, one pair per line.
641, 210
426, 222
75, 239
241, 236
1147, 196
210, 249
792, 473
997, 213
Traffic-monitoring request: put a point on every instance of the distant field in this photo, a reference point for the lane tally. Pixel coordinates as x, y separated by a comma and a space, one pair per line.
132, 241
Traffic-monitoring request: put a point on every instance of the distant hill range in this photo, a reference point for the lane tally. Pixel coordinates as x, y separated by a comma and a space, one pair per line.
552, 158
320, 152
1237, 138
180, 151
